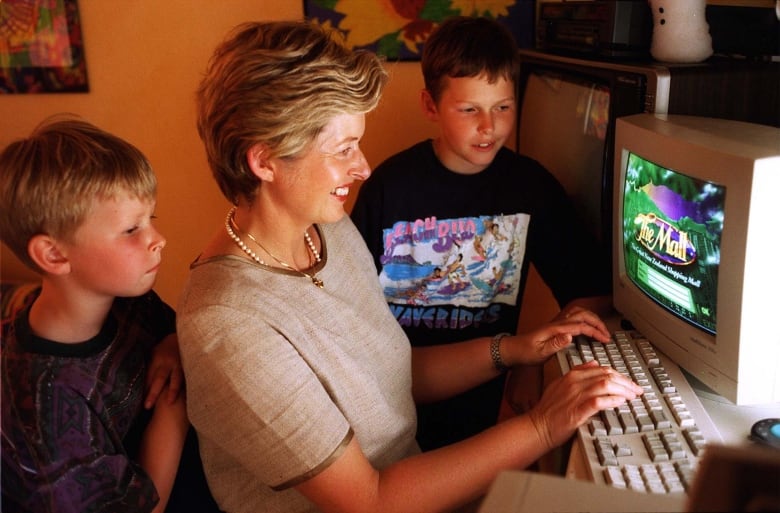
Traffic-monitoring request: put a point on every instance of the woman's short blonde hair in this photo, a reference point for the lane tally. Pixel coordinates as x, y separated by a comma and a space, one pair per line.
50, 180
278, 83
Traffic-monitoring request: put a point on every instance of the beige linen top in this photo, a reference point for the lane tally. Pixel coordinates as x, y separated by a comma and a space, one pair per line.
280, 373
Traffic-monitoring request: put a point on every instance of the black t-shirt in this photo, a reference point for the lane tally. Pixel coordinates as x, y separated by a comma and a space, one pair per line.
453, 252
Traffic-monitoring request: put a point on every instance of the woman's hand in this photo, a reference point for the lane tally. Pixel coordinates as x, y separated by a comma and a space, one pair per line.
538, 345
572, 399
164, 370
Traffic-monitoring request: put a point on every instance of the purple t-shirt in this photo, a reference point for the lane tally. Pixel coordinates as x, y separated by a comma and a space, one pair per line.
69, 412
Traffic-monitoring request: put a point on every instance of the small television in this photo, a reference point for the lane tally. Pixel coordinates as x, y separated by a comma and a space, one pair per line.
696, 245
568, 104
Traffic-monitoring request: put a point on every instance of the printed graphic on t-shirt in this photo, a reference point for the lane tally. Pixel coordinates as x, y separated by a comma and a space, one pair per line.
468, 262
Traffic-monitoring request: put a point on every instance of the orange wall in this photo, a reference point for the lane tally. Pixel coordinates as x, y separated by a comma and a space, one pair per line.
144, 60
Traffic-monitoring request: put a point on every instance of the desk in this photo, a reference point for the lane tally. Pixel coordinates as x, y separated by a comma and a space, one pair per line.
733, 422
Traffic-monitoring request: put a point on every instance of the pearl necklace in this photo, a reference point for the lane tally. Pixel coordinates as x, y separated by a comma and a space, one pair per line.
231, 228
310, 243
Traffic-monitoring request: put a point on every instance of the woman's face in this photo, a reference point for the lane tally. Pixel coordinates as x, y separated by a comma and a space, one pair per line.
314, 187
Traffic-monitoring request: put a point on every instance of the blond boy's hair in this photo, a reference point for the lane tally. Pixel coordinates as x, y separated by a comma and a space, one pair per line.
50, 180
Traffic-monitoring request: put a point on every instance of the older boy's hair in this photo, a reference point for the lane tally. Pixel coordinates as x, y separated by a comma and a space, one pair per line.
464, 46
278, 83
50, 180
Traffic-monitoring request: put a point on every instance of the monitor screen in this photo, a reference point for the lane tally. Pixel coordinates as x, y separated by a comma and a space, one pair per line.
672, 226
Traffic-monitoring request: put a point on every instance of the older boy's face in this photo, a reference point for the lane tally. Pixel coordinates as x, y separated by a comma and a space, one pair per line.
475, 119
116, 251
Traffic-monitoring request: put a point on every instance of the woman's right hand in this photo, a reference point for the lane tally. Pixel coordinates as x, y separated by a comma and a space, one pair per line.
572, 399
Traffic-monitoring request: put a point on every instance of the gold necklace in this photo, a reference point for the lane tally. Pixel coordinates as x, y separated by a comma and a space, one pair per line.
232, 228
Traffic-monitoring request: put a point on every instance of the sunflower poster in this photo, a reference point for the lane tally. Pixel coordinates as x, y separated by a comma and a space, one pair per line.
398, 29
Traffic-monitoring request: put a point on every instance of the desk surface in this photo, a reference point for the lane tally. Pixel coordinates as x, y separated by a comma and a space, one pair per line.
733, 422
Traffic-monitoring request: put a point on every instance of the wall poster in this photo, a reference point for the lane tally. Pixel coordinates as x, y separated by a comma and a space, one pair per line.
398, 29
41, 47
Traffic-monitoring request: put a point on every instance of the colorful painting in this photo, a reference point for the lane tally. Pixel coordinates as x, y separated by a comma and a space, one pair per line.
41, 48
398, 29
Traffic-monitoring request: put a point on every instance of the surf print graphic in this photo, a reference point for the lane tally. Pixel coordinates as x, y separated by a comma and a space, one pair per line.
469, 261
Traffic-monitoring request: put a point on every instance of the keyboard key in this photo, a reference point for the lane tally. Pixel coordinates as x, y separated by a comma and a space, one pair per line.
622, 449
655, 447
695, 440
574, 359
597, 427
651, 401
633, 478
683, 418
685, 471
659, 419
605, 451
645, 423
614, 477
628, 422
612, 422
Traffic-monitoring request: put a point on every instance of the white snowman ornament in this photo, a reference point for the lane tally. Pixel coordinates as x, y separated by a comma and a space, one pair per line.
680, 31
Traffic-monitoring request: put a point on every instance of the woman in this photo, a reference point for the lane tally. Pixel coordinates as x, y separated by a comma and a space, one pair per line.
300, 382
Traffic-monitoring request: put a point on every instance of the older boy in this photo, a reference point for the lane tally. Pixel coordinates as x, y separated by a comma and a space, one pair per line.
77, 206
454, 222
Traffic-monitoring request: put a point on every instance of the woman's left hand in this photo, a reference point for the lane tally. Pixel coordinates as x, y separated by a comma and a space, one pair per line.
538, 345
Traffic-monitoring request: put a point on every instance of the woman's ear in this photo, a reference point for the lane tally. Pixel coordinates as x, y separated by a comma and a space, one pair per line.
428, 105
257, 157
46, 254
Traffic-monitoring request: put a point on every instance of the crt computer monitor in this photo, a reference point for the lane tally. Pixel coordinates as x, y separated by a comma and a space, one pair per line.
696, 247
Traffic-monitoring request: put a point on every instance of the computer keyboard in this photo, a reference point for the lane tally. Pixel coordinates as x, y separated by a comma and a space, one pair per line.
652, 444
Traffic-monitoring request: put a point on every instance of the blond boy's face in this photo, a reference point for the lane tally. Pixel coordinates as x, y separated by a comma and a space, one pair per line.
116, 251
475, 119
